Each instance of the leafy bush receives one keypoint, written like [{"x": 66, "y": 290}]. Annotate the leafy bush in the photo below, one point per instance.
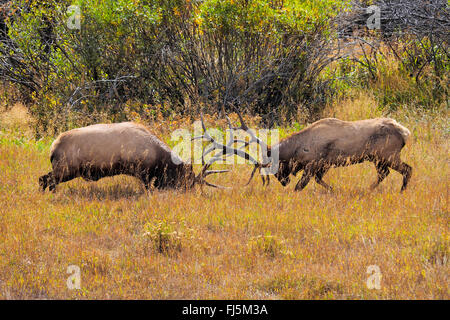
[
  {"x": 178, "y": 54},
  {"x": 275, "y": 59},
  {"x": 406, "y": 61}
]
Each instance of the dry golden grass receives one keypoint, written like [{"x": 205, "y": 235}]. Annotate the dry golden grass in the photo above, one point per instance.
[{"x": 242, "y": 243}]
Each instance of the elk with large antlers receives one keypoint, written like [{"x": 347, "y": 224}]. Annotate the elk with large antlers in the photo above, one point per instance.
[
  {"x": 331, "y": 143},
  {"x": 102, "y": 150}
]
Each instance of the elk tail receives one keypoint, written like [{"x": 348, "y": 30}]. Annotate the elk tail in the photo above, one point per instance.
[{"x": 404, "y": 132}]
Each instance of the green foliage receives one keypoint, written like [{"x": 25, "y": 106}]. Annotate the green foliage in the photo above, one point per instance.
[
  {"x": 165, "y": 52},
  {"x": 131, "y": 57},
  {"x": 394, "y": 84},
  {"x": 258, "y": 16}
]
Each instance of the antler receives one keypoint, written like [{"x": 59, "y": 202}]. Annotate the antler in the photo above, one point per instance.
[
  {"x": 226, "y": 150},
  {"x": 253, "y": 138}
]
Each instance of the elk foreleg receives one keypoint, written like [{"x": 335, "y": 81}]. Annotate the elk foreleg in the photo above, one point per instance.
[
  {"x": 59, "y": 176},
  {"x": 148, "y": 181},
  {"x": 319, "y": 175},
  {"x": 265, "y": 180},
  {"x": 301, "y": 184}
]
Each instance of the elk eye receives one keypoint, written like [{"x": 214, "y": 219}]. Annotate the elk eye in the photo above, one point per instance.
[{"x": 306, "y": 150}]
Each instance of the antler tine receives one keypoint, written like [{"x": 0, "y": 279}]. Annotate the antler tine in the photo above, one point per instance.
[
  {"x": 241, "y": 119},
  {"x": 231, "y": 138},
  {"x": 229, "y": 123},
  {"x": 253, "y": 173},
  {"x": 259, "y": 166},
  {"x": 205, "y": 134},
  {"x": 234, "y": 128},
  {"x": 244, "y": 127},
  {"x": 209, "y": 150},
  {"x": 208, "y": 172},
  {"x": 215, "y": 185},
  {"x": 225, "y": 150},
  {"x": 253, "y": 137},
  {"x": 207, "y": 137}
]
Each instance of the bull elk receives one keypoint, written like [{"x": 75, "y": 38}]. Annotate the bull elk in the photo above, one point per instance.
[
  {"x": 331, "y": 143},
  {"x": 103, "y": 150}
]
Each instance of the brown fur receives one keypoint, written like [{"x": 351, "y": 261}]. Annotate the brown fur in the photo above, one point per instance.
[
  {"x": 103, "y": 150},
  {"x": 332, "y": 143}
]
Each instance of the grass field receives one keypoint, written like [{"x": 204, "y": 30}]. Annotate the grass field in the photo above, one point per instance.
[{"x": 241, "y": 243}]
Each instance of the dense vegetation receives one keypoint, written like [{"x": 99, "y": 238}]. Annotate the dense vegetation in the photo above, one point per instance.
[{"x": 281, "y": 60}]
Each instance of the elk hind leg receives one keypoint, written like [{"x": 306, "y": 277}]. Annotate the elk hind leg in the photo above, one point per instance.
[
  {"x": 382, "y": 171},
  {"x": 405, "y": 170}
]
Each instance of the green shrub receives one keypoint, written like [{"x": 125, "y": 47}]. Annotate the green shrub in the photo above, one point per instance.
[{"x": 176, "y": 53}]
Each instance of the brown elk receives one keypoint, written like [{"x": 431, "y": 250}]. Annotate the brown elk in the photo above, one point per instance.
[
  {"x": 331, "y": 143},
  {"x": 102, "y": 150}
]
